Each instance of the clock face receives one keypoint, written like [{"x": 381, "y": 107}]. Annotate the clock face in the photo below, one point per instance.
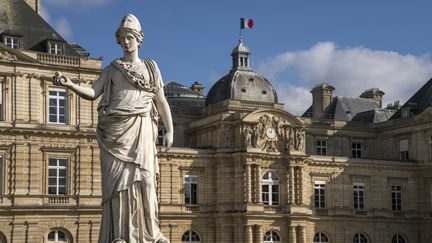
[{"x": 271, "y": 132}]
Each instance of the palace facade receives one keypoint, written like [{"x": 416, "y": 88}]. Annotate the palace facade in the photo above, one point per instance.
[{"x": 242, "y": 169}]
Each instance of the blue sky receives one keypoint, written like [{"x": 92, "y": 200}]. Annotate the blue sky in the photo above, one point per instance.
[{"x": 354, "y": 45}]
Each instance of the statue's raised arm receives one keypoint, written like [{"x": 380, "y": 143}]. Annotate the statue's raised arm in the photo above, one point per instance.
[{"x": 88, "y": 93}]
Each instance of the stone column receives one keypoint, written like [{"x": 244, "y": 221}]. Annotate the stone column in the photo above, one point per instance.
[
  {"x": 248, "y": 184},
  {"x": 300, "y": 185},
  {"x": 258, "y": 234},
  {"x": 292, "y": 234},
  {"x": 258, "y": 184},
  {"x": 248, "y": 234},
  {"x": 292, "y": 185},
  {"x": 302, "y": 234},
  {"x": 288, "y": 187}
]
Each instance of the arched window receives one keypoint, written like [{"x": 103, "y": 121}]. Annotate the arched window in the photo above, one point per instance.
[
  {"x": 270, "y": 189},
  {"x": 271, "y": 237},
  {"x": 320, "y": 237},
  {"x": 360, "y": 238},
  {"x": 57, "y": 236},
  {"x": 398, "y": 239},
  {"x": 2, "y": 238},
  {"x": 190, "y": 236}
]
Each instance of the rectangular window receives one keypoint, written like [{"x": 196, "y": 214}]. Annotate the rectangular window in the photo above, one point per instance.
[
  {"x": 321, "y": 147},
  {"x": 57, "y": 106},
  {"x": 320, "y": 194},
  {"x": 1, "y": 101},
  {"x": 161, "y": 133},
  {"x": 12, "y": 42},
  {"x": 396, "y": 195},
  {"x": 270, "y": 189},
  {"x": 55, "y": 48},
  {"x": 430, "y": 148},
  {"x": 358, "y": 196},
  {"x": 403, "y": 148},
  {"x": 1, "y": 175},
  {"x": 191, "y": 189},
  {"x": 57, "y": 176},
  {"x": 356, "y": 149}
]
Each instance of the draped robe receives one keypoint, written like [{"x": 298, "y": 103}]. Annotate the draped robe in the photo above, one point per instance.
[{"x": 126, "y": 132}]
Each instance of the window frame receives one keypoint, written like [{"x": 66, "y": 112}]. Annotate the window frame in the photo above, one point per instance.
[
  {"x": 56, "y": 233},
  {"x": 2, "y": 100},
  {"x": 160, "y": 135},
  {"x": 58, "y": 48},
  {"x": 430, "y": 147},
  {"x": 396, "y": 197},
  {"x": 356, "y": 150},
  {"x": 320, "y": 198},
  {"x": 57, "y": 106},
  {"x": 398, "y": 237},
  {"x": 57, "y": 168},
  {"x": 270, "y": 183},
  {"x": 188, "y": 182},
  {"x": 190, "y": 235},
  {"x": 321, "y": 147},
  {"x": 12, "y": 41},
  {"x": 359, "y": 196},
  {"x": 359, "y": 236},
  {"x": 404, "y": 149},
  {"x": 272, "y": 234},
  {"x": 321, "y": 237}
]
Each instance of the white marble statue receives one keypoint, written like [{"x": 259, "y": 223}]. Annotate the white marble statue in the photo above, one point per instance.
[{"x": 132, "y": 99}]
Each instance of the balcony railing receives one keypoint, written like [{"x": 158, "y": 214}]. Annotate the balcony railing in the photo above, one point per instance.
[
  {"x": 58, "y": 200},
  {"x": 59, "y": 59}
]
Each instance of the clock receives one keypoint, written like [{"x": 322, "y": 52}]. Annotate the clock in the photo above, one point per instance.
[{"x": 271, "y": 133}]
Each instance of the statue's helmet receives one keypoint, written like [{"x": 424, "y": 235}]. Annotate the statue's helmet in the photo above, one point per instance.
[{"x": 130, "y": 23}]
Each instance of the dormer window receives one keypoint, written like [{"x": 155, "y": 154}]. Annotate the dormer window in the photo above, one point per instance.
[
  {"x": 406, "y": 112},
  {"x": 11, "y": 41},
  {"x": 55, "y": 48}
]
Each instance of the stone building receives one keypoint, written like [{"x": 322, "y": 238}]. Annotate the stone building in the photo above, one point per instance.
[
  {"x": 49, "y": 166},
  {"x": 242, "y": 169}
]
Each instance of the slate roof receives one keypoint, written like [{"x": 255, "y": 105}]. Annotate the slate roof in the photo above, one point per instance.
[
  {"x": 17, "y": 18},
  {"x": 374, "y": 116},
  {"x": 181, "y": 96},
  {"x": 353, "y": 108},
  {"x": 419, "y": 102}
]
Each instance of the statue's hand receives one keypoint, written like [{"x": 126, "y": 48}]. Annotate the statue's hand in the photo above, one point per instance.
[
  {"x": 61, "y": 80},
  {"x": 168, "y": 140}
]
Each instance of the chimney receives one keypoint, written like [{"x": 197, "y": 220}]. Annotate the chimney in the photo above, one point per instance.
[
  {"x": 197, "y": 87},
  {"x": 374, "y": 94},
  {"x": 322, "y": 95},
  {"x": 34, "y": 4}
]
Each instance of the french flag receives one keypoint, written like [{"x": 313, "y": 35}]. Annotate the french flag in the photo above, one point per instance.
[{"x": 246, "y": 23}]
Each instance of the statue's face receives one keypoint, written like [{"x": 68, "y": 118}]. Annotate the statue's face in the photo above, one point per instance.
[{"x": 128, "y": 41}]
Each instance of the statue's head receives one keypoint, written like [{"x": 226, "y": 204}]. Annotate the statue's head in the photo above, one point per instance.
[{"x": 130, "y": 24}]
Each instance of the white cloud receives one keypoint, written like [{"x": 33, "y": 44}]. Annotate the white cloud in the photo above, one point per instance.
[
  {"x": 64, "y": 28},
  {"x": 349, "y": 70}
]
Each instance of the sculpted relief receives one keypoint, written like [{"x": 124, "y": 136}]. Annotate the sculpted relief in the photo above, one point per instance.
[{"x": 272, "y": 133}]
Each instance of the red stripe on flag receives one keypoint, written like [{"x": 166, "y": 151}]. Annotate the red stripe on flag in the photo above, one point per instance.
[{"x": 250, "y": 23}]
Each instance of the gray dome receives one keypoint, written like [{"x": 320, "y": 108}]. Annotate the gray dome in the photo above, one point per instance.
[{"x": 242, "y": 85}]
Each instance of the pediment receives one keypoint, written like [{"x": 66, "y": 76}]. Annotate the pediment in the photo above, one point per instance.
[
  {"x": 10, "y": 54},
  {"x": 281, "y": 116},
  {"x": 271, "y": 130},
  {"x": 425, "y": 116}
]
